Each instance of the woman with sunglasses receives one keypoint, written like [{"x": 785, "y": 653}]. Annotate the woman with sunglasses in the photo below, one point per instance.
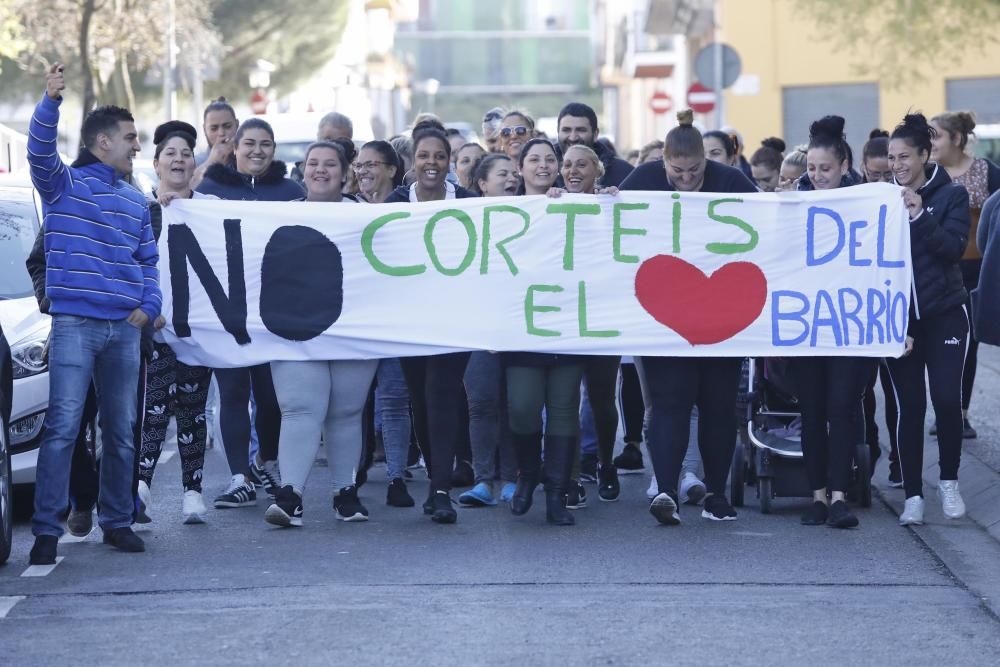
[
  {"x": 516, "y": 129},
  {"x": 435, "y": 381}
]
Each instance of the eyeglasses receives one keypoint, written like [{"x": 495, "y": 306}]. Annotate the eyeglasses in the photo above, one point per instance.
[
  {"x": 361, "y": 166},
  {"x": 519, "y": 130}
]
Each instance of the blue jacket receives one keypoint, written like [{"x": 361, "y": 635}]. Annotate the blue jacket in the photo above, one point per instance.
[
  {"x": 225, "y": 182},
  {"x": 99, "y": 247}
]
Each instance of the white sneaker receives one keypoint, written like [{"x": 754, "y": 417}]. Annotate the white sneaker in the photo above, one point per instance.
[
  {"x": 913, "y": 512},
  {"x": 951, "y": 500},
  {"x": 653, "y": 489},
  {"x": 692, "y": 490},
  {"x": 145, "y": 503},
  {"x": 193, "y": 507}
]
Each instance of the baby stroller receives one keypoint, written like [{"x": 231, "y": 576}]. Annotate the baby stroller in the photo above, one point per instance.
[{"x": 768, "y": 453}]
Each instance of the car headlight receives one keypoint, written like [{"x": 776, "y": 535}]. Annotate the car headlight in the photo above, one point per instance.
[{"x": 28, "y": 355}]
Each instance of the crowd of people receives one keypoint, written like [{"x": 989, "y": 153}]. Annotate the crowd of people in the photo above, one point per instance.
[{"x": 497, "y": 425}]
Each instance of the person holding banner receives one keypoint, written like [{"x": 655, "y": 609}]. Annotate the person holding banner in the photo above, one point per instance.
[
  {"x": 435, "y": 381},
  {"x": 678, "y": 384},
  {"x": 538, "y": 164},
  {"x": 320, "y": 398},
  {"x": 938, "y": 334},
  {"x": 581, "y": 172},
  {"x": 829, "y": 389},
  {"x": 256, "y": 176},
  {"x": 172, "y": 388},
  {"x": 493, "y": 175}
]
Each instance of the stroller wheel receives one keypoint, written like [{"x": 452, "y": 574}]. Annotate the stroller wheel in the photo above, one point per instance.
[
  {"x": 737, "y": 475},
  {"x": 765, "y": 493},
  {"x": 863, "y": 474}
]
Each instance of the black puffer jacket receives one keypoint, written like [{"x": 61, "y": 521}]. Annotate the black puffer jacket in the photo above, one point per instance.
[
  {"x": 225, "y": 182},
  {"x": 938, "y": 237}
]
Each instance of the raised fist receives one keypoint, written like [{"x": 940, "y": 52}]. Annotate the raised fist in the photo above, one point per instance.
[{"x": 54, "y": 81}]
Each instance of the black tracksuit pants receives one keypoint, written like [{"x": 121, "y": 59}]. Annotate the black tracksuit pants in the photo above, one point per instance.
[
  {"x": 830, "y": 390},
  {"x": 675, "y": 385},
  {"x": 940, "y": 343}
]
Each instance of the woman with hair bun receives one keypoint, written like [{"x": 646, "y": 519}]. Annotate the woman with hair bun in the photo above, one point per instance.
[
  {"x": 675, "y": 385},
  {"x": 720, "y": 147},
  {"x": 937, "y": 337},
  {"x": 765, "y": 163},
  {"x": 981, "y": 178},
  {"x": 875, "y": 158},
  {"x": 830, "y": 389}
]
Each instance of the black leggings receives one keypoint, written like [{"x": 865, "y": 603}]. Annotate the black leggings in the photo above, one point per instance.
[
  {"x": 633, "y": 410},
  {"x": 675, "y": 385},
  {"x": 830, "y": 390},
  {"x": 880, "y": 375},
  {"x": 601, "y": 375},
  {"x": 939, "y": 346},
  {"x": 235, "y": 385},
  {"x": 970, "y": 276},
  {"x": 437, "y": 392}
]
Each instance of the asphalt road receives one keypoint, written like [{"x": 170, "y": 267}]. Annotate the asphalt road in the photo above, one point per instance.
[{"x": 496, "y": 589}]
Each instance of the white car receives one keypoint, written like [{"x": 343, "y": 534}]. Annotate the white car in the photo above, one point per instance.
[{"x": 25, "y": 328}]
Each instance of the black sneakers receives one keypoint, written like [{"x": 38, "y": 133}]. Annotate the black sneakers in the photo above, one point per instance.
[
  {"x": 44, "y": 551},
  {"x": 968, "y": 432},
  {"x": 463, "y": 475},
  {"x": 80, "y": 522},
  {"x": 895, "y": 475},
  {"x": 347, "y": 506},
  {"x": 576, "y": 499},
  {"x": 717, "y": 508},
  {"x": 441, "y": 509},
  {"x": 124, "y": 539},
  {"x": 630, "y": 460},
  {"x": 265, "y": 475},
  {"x": 608, "y": 488},
  {"x": 816, "y": 515},
  {"x": 398, "y": 495},
  {"x": 840, "y": 516},
  {"x": 286, "y": 510}
]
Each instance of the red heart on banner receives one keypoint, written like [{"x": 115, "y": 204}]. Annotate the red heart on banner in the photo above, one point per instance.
[{"x": 702, "y": 309}]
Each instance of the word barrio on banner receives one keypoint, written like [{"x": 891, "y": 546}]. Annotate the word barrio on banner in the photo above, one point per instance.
[{"x": 641, "y": 273}]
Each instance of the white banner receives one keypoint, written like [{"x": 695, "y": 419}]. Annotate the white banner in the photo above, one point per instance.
[{"x": 642, "y": 273}]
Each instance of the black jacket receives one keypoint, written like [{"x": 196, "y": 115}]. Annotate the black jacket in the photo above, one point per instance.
[
  {"x": 652, "y": 176},
  {"x": 616, "y": 169},
  {"x": 225, "y": 182},
  {"x": 402, "y": 194},
  {"x": 938, "y": 236},
  {"x": 846, "y": 181}
]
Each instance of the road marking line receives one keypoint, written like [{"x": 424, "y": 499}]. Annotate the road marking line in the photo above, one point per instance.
[
  {"x": 166, "y": 456},
  {"x": 7, "y": 603},
  {"x": 746, "y": 533},
  {"x": 41, "y": 570}
]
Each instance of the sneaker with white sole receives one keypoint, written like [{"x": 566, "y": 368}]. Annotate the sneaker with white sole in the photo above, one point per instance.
[
  {"x": 286, "y": 510},
  {"x": 717, "y": 508},
  {"x": 654, "y": 488},
  {"x": 692, "y": 490},
  {"x": 664, "y": 509},
  {"x": 193, "y": 507},
  {"x": 145, "y": 503},
  {"x": 239, "y": 494},
  {"x": 348, "y": 507},
  {"x": 951, "y": 500},
  {"x": 913, "y": 512}
]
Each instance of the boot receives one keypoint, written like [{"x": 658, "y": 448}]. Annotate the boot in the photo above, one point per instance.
[
  {"x": 528, "y": 449},
  {"x": 559, "y": 452}
]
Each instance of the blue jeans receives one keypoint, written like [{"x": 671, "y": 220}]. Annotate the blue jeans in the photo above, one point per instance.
[
  {"x": 488, "y": 429},
  {"x": 392, "y": 412},
  {"x": 81, "y": 348}
]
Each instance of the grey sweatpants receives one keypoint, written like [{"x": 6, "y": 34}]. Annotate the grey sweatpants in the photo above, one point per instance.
[{"x": 321, "y": 398}]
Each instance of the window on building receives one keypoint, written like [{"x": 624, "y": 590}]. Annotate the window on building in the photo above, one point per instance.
[
  {"x": 978, "y": 95},
  {"x": 858, "y": 103}
]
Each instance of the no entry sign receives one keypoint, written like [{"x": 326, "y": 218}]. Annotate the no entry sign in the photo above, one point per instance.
[
  {"x": 661, "y": 102},
  {"x": 700, "y": 98}
]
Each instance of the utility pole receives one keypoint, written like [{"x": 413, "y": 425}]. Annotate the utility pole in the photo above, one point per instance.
[{"x": 170, "y": 62}]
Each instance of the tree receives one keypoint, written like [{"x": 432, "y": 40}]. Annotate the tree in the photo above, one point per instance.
[
  {"x": 887, "y": 39},
  {"x": 298, "y": 36}
]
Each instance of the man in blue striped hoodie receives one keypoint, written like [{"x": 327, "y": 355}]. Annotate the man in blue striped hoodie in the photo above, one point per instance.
[{"x": 103, "y": 285}]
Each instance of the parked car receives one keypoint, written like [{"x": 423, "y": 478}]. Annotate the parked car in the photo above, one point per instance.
[
  {"x": 25, "y": 328},
  {"x": 6, "y": 485}
]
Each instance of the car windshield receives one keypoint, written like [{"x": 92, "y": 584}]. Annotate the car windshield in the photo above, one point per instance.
[{"x": 18, "y": 226}]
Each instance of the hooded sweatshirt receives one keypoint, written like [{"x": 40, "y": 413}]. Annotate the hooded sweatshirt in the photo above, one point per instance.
[
  {"x": 99, "y": 247},
  {"x": 225, "y": 182}
]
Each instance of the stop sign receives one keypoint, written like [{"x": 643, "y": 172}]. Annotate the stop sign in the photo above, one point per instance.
[
  {"x": 660, "y": 102},
  {"x": 700, "y": 98},
  {"x": 258, "y": 102}
]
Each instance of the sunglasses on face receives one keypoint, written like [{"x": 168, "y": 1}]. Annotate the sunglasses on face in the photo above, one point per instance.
[{"x": 519, "y": 130}]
